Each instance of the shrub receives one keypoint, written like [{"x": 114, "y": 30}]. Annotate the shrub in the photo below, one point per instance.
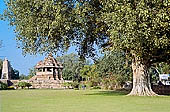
[
  {"x": 75, "y": 85},
  {"x": 28, "y": 85},
  {"x": 24, "y": 84},
  {"x": 67, "y": 85},
  {"x": 3, "y": 86}
]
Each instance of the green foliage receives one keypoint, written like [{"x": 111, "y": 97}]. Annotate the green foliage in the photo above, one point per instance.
[
  {"x": 75, "y": 85},
  {"x": 28, "y": 85},
  {"x": 15, "y": 74},
  {"x": 50, "y": 26},
  {"x": 139, "y": 27},
  {"x": 23, "y": 77},
  {"x": 23, "y": 84},
  {"x": 163, "y": 68},
  {"x": 88, "y": 72},
  {"x": 114, "y": 69},
  {"x": 158, "y": 68},
  {"x": 3, "y": 86},
  {"x": 111, "y": 70},
  {"x": 72, "y": 65},
  {"x": 67, "y": 85},
  {"x": 32, "y": 72}
]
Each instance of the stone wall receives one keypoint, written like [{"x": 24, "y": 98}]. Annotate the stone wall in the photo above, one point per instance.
[{"x": 161, "y": 89}]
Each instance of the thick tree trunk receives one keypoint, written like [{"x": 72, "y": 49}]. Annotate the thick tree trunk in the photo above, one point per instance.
[{"x": 141, "y": 79}]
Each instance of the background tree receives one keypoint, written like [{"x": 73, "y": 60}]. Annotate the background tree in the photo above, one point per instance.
[
  {"x": 163, "y": 68},
  {"x": 32, "y": 72},
  {"x": 15, "y": 74},
  {"x": 23, "y": 77},
  {"x": 90, "y": 74},
  {"x": 72, "y": 65},
  {"x": 86, "y": 73},
  {"x": 114, "y": 69}
]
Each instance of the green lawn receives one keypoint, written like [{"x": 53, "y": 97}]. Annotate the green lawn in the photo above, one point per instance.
[{"x": 79, "y": 101}]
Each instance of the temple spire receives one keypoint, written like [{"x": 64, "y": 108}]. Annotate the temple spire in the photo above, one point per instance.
[{"x": 6, "y": 70}]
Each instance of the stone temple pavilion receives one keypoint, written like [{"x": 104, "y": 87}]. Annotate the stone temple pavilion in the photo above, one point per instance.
[{"x": 48, "y": 74}]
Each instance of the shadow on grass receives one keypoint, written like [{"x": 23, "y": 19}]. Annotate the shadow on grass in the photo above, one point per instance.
[{"x": 111, "y": 93}]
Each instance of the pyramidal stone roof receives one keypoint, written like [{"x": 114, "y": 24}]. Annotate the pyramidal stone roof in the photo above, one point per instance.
[{"x": 49, "y": 61}]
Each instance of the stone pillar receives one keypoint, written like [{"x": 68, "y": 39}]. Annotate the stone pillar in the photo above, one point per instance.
[
  {"x": 60, "y": 74},
  {"x": 56, "y": 74},
  {"x": 45, "y": 69}
]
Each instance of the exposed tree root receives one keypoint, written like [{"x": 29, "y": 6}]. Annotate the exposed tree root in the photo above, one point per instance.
[{"x": 137, "y": 91}]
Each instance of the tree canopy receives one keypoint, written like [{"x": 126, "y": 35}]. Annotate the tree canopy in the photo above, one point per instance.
[
  {"x": 139, "y": 27},
  {"x": 49, "y": 26}
]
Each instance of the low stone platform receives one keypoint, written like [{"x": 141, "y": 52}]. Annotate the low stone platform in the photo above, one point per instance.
[{"x": 50, "y": 84}]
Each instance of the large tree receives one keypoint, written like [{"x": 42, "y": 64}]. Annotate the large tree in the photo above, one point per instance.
[
  {"x": 142, "y": 29},
  {"x": 138, "y": 27}
]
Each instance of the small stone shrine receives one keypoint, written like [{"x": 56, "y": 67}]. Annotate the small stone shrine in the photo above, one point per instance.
[{"x": 48, "y": 74}]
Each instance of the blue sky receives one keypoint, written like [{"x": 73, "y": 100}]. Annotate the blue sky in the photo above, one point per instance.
[{"x": 11, "y": 52}]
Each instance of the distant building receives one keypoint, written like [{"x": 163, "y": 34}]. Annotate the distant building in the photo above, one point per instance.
[
  {"x": 165, "y": 79},
  {"x": 6, "y": 70}
]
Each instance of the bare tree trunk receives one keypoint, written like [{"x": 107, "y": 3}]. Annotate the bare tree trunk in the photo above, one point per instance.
[{"x": 141, "y": 79}]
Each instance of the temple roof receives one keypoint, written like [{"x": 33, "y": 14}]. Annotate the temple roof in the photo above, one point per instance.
[{"x": 49, "y": 61}]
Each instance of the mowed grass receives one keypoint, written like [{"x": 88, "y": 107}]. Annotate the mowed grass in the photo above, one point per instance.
[{"x": 79, "y": 101}]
